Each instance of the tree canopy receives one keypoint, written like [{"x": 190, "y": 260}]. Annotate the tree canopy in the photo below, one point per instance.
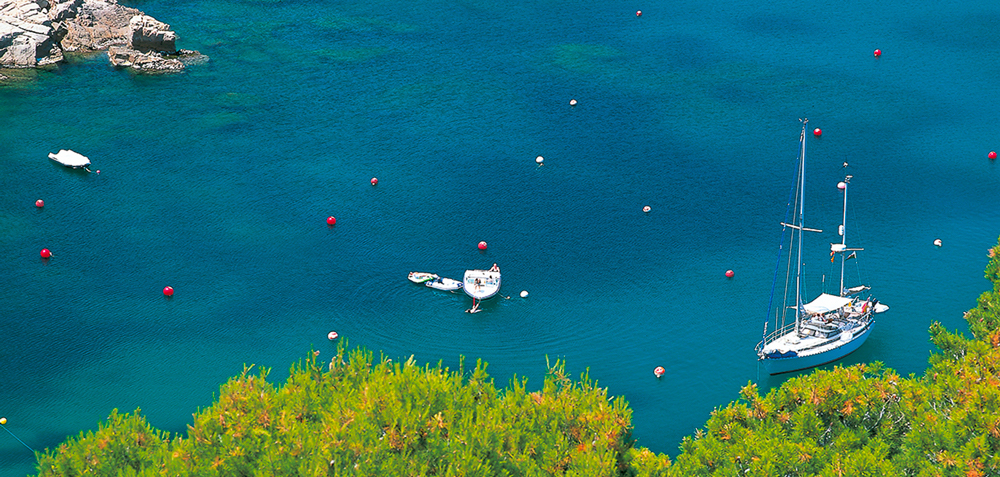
[{"x": 358, "y": 415}]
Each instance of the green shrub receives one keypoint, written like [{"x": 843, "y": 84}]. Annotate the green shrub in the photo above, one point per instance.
[{"x": 359, "y": 416}]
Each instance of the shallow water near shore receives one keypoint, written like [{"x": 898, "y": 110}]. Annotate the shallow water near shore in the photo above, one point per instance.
[{"x": 218, "y": 181}]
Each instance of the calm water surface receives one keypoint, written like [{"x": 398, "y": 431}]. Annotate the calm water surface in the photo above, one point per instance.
[{"x": 217, "y": 182}]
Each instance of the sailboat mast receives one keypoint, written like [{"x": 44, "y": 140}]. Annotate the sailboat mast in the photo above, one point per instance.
[
  {"x": 802, "y": 209},
  {"x": 843, "y": 236}
]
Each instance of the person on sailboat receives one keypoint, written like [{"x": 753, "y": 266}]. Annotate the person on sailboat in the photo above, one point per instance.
[{"x": 494, "y": 268}]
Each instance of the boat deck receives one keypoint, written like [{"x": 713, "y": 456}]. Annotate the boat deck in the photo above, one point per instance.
[{"x": 481, "y": 284}]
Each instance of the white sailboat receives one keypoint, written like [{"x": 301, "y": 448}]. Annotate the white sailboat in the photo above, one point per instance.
[{"x": 829, "y": 327}]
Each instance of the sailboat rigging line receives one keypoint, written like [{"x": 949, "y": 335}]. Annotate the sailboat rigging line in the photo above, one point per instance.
[
  {"x": 781, "y": 242},
  {"x": 857, "y": 233},
  {"x": 791, "y": 249}
]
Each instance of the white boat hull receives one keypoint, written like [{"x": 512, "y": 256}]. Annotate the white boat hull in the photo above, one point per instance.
[
  {"x": 421, "y": 277},
  {"x": 806, "y": 361},
  {"x": 481, "y": 284},
  {"x": 444, "y": 284},
  {"x": 70, "y": 158}
]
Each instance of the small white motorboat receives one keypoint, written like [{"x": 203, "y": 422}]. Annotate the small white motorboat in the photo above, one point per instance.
[
  {"x": 445, "y": 284},
  {"x": 482, "y": 284},
  {"x": 70, "y": 158},
  {"x": 421, "y": 277}
]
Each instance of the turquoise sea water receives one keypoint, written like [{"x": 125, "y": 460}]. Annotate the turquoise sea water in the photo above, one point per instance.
[{"x": 218, "y": 181}]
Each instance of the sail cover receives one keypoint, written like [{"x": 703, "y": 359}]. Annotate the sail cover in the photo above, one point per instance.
[{"x": 825, "y": 303}]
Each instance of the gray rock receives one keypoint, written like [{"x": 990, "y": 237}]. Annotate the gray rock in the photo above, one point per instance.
[
  {"x": 151, "y": 35},
  {"x": 97, "y": 25},
  {"x": 20, "y": 53},
  {"x": 65, "y": 10},
  {"x": 25, "y": 34}
]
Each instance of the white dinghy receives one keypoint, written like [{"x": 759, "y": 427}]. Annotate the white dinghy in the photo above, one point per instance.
[
  {"x": 421, "y": 277},
  {"x": 444, "y": 284},
  {"x": 70, "y": 158}
]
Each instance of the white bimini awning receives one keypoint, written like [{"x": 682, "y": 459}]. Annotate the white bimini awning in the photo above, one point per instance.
[{"x": 825, "y": 303}]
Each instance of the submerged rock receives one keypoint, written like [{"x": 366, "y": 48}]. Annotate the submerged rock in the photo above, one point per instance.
[{"x": 37, "y": 32}]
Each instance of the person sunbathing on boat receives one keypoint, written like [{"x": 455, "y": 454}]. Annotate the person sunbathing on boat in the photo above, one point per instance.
[{"x": 494, "y": 268}]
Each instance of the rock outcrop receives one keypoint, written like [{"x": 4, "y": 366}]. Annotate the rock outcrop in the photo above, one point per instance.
[
  {"x": 37, "y": 32},
  {"x": 27, "y": 36}
]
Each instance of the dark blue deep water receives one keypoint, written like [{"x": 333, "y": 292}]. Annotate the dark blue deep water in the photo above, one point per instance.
[{"x": 217, "y": 182}]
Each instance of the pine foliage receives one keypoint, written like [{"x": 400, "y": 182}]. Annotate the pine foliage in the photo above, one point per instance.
[{"x": 360, "y": 416}]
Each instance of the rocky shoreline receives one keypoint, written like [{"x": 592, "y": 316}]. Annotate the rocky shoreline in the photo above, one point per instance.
[{"x": 36, "y": 33}]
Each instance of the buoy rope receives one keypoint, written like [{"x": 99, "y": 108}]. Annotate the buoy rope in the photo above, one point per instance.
[
  {"x": 18, "y": 438},
  {"x": 789, "y": 204}
]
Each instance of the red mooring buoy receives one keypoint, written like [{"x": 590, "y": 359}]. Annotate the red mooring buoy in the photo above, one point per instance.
[
  {"x": 730, "y": 273},
  {"x": 332, "y": 335},
  {"x": 878, "y": 53},
  {"x": 482, "y": 245},
  {"x": 991, "y": 155},
  {"x": 374, "y": 180},
  {"x": 638, "y": 13},
  {"x": 39, "y": 203},
  {"x": 659, "y": 371},
  {"x": 817, "y": 132},
  {"x": 45, "y": 253},
  {"x": 331, "y": 220},
  {"x": 168, "y": 291}
]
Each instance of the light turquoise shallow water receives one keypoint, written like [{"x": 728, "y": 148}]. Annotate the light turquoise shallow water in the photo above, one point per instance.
[{"x": 218, "y": 181}]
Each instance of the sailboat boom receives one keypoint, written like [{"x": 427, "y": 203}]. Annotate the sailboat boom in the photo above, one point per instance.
[{"x": 796, "y": 227}]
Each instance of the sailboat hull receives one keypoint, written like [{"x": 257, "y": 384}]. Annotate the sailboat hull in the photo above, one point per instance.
[{"x": 780, "y": 365}]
